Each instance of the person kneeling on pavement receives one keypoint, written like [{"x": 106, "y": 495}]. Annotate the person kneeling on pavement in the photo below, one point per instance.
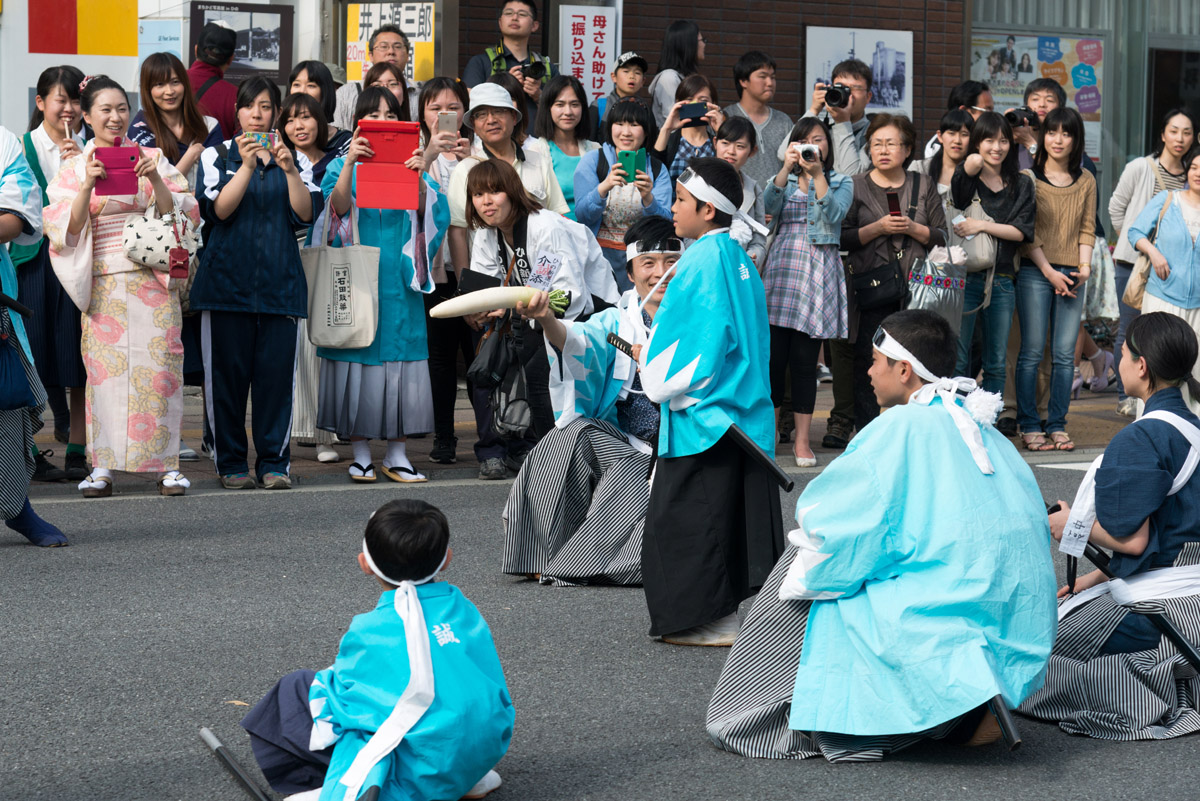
[{"x": 918, "y": 586}]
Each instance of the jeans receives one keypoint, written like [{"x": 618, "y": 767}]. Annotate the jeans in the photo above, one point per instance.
[
  {"x": 995, "y": 322},
  {"x": 1123, "y": 270},
  {"x": 1042, "y": 312}
]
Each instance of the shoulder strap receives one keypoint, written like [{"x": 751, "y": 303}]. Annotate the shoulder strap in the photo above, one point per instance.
[
  {"x": 915, "y": 196},
  {"x": 1154, "y": 168},
  {"x": 204, "y": 87},
  {"x": 1162, "y": 213},
  {"x": 1192, "y": 434},
  {"x": 601, "y": 164},
  {"x": 34, "y": 164}
]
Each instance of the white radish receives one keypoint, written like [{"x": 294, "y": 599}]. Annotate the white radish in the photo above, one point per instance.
[{"x": 485, "y": 300}]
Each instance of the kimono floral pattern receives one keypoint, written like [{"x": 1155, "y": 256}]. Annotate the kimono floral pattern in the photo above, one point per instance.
[{"x": 131, "y": 344}]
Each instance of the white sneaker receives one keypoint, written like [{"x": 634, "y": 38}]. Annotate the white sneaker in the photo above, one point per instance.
[
  {"x": 489, "y": 782},
  {"x": 327, "y": 455},
  {"x": 721, "y": 632},
  {"x": 1127, "y": 407}
]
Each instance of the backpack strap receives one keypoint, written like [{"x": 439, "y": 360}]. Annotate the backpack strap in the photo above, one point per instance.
[
  {"x": 1192, "y": 434},
  {"x": 601, "y": 164},
  {"x": 204, "y": 87},
  {"x": 32, "y": 157}
]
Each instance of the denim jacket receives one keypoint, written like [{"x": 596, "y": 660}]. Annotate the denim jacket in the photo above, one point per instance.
[
  {"x": 1174, "y": 241},
  {"x": 824, "y": 214}
]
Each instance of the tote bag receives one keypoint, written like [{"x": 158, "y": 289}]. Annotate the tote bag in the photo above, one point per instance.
[
  {"x": 343, "y": 290},
  {"x": 938, "y": 284},
  {"x": 980, "y": 249},
  {"x": 1135, "y": 289}
]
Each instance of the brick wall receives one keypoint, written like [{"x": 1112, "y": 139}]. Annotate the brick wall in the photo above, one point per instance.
[{"x": 732, "y": 27}]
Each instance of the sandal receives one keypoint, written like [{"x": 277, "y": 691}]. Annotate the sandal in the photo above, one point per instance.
[
  {"x": 399, "y": 472},
  {"x": 104, "y": 491},
  {"x": 178, "y": 485},
  {"x": 1062, "y": 441},
  {"x": 1036, "y": 441},
  {"x": 366, "y": 475}
]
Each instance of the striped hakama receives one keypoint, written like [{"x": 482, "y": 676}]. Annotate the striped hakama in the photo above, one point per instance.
[
  {"x": 748, "y": 713},
  {"x": 304, "y": 393},
  {"x": 1144, "y": 695},
  {"x": 17, "y": 428},
  {"x": 577, "y": 510}
]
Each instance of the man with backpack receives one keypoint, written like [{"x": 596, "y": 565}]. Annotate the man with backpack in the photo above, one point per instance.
[{"x": 216, "y": 96}]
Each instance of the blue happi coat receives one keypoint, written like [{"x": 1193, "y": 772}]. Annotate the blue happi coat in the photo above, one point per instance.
[
  {"x": 709, "y": 350},
  {"x": 932, "y": 582},
  {"x": 400, "y": 333},
  {"x": 20, "y": 195},
  {"x": 462, "y": 735},
  {"x": 590, "y": 375}
]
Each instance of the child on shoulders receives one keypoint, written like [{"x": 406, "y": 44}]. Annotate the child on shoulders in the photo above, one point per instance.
[{"x": 377, "y": 716}]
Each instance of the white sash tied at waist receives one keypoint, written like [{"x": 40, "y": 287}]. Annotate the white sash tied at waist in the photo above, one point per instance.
[{"x": 1182, "y": 581}]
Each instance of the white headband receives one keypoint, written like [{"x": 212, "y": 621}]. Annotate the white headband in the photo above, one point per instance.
[
  {"x": 979, "y": 407},
  {"x": 635, "y": 249},
  {"x": 375, "y": 568},
  {"x": 701, "y": 190}
]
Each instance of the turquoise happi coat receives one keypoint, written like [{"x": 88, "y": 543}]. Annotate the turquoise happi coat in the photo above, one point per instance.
[
  {"x": 459, "y": 738},
  {"x": 19, "y": 194},
  {"x": 709, "y": 350},
  {"x": 932, "y": 582},
  {"x": 400, "y": 336}
]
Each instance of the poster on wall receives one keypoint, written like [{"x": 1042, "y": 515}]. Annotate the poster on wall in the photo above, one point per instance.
[
  {"x": 887, "y": 53},
  {"x": 160, "y": 36},
  {"x": 415, "y": 19},
  {"x": 588, "y": 46},
  {"x": 84, "y": 27},
  {"x": 264, "y": 37},
  {"x": 1007, "y": 62}
]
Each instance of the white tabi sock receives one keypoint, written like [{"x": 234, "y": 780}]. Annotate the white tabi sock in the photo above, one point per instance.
[
  {"x": 173, "y": 478},
  {"x": 93, "y": 481},
  {"x": 362, "y": 451},
  {"x": 397, "y": 455}
]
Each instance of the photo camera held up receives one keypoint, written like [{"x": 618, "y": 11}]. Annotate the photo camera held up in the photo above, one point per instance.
[
  {"x": 1024, "y": 115},
  {"x": 837, "y": 96},
  {"x": 809, "y": 153}
]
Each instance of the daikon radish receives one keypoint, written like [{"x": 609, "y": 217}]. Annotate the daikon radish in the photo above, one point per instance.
[{"x": 499, "y": 297}]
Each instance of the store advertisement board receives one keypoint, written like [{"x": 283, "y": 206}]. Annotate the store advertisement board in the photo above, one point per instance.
[{"x": 415, "y": 19}]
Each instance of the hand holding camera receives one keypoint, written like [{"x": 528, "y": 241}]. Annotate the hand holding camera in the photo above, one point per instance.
[
  {"x": 1024, "y": 122},
  {"x": 834, "y": 98}
]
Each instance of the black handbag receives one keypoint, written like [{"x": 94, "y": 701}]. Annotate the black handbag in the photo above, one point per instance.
[
  {"x": 497, "y": 351},
  {"x": 886, "y": 285},
  {"x": 15, "y": 390}
]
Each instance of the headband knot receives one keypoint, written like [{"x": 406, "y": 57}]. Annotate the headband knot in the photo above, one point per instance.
[{"x": 703, "y": 191}]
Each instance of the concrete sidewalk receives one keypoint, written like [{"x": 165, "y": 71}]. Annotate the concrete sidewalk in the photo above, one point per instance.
[{"x": 1092, "y": 422}]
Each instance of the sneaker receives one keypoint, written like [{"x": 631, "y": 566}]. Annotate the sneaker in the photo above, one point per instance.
[
  {"x": 76, "y": 466},
  {"x": 1127, "y": 407},
  {"x": 837, "y": 434},
  {"x": 206, "y": 450},
  {"x": 444, "y": 450},
  {"x": 327, "y": 455},
  {"x": 62, "y": 435},
  {"x": 44, "y": 471},
  {"x": 187, "y": 454},
  {"x": 513, "y": 461},
  {"x": 489, "y": 782},
  {"x": 276, "y": 481},
  {"x": 824, "y": 376},
  {"x": 492, "y": 469},
  {"x": 238, "y": 481}
]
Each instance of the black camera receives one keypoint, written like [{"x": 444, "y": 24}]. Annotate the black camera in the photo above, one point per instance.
[
  {"x": 837, "y": 96},
  {"x": 536, "y": 70},
  {"x": 1022, "y": 116}
]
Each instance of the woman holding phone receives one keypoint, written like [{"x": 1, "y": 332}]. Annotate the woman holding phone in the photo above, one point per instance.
[
  {"x": 443, "y": 106},
  {"x": 680, "y": 140},
  {"x": 1050, "y": 281},
  {"x": 560, "y": 132},
  {"x": 382, "y": 391},
  {"x": 250, "y": 288},
  {"x": 131, "y": 314},
  {"x": 54, "y": 329},
  {"x": 896, "y": 217},
  {"x": 609, "y": 197}
]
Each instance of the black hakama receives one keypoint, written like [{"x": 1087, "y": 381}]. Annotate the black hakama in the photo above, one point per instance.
[{"x": 714, "y": 530}]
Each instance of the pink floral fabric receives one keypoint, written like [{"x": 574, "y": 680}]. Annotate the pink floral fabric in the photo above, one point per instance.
[{"x": 131, "y": 344}]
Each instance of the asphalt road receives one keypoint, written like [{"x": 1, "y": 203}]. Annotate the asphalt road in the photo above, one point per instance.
[{"x": 166, "y": 615}]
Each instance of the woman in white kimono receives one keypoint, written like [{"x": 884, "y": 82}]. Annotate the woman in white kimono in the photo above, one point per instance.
[
  {"x": 577, "y": 511},
  {"x": 131, "y": 317}
]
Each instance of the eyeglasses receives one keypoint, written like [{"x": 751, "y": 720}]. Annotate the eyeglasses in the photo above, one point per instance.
[
  {"x": 486, "y": 112},
  {"x": 886, "y": 146},
  {"x": 390, "y": 47},
  {"x": 514, "y": 14}
]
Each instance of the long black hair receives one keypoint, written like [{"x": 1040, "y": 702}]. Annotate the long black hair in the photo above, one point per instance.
[
  {"x": 680, "y": 47},
  {"x": 543, "y": 125},
  {"x": 1067, "y": 120},
  {"x": 956, "y": 119},
  {"x": 1162, "y": 128},
  {"x": 64, "y": 77},
  {"x": 991, "y": 125},
  {"x": 319, "y": 74},
  {"x": 1168, "y": 344}
]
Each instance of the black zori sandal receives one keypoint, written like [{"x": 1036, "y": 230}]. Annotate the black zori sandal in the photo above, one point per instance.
[{"x": 367, "y": 473}]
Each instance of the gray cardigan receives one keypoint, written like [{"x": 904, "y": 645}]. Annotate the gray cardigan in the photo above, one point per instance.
[{"x": 1139, "y": 182}]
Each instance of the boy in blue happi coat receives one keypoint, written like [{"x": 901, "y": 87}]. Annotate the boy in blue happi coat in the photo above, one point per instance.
[{"x": 415, "y": 702}]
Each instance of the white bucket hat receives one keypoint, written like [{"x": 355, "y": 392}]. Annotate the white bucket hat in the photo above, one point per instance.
[{"x": 490, "y": 95}]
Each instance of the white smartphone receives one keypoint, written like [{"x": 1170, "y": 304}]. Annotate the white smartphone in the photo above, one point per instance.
[
  {"x": 447, "y": 121},
  {"x": 960, "y": 218}
]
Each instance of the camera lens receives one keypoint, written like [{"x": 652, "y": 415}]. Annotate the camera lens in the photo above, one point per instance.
[
  {"x": 837, "y": 96},
  {"x": 536, "y": 70}
]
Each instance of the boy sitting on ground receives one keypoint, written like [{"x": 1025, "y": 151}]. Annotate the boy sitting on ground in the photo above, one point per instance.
[{"x": 375, "y": 717}]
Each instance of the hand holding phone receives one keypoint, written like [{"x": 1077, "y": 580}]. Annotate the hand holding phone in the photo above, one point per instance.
[
  {"x": 893, "y": 199},
  {"x": 119, "y": 175},
  {"x": 691, "y": 115},
  {"x": 632, "y": 161},
  {"x": 447, "y": 121},
  {"x": 266, "y": 139}
]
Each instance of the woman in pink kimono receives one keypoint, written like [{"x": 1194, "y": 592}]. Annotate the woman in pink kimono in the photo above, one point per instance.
[{"x": 131, "y": 317}]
